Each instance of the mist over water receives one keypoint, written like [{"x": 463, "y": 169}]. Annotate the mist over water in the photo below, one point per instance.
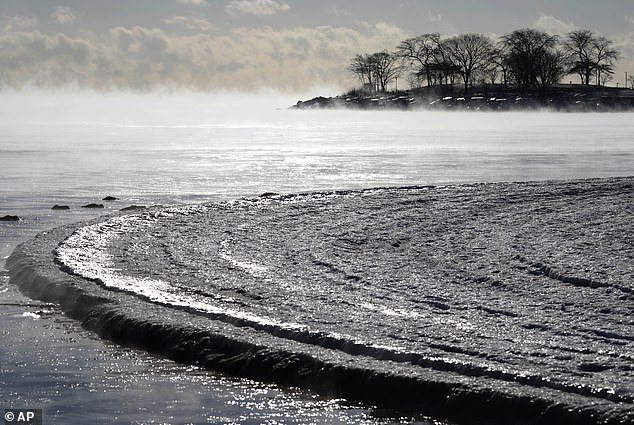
[
  {"x": 185, "y": 147},
  {"x": 76, "y": 148}
]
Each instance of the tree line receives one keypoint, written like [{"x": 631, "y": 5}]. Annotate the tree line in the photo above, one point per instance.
[{"x": 525, "y": 58}]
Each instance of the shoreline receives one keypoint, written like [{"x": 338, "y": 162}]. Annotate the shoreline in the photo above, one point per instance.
[
  {"x": 337, "y": 368},
  {"x": 559, "y": 98}
]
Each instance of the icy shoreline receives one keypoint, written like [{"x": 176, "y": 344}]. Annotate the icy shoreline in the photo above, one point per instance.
[{"x": 492, "y": 302}]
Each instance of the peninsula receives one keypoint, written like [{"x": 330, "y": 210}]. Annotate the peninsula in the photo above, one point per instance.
[
  {"x": 561, "y": 97},
  {"x": 523, "y": 69}
]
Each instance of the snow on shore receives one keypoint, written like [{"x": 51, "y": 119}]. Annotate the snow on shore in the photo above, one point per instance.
[{"x": 503, "y": 302}]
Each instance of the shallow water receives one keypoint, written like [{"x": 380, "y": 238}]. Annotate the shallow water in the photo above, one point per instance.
[{"x": 71, "y": 149}]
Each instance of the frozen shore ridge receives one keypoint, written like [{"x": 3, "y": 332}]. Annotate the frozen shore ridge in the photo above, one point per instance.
[{"x": 507, "y": 303}]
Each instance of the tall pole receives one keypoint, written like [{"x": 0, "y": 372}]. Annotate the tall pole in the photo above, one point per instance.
[{"x": 626, "y": 79}]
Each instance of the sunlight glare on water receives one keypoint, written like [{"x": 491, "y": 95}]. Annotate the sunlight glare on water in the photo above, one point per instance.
[{"x": 218, "y": 146}]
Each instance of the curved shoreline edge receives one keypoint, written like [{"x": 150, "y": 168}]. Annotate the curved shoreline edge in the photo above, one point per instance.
[{"x": 246, "y": 353}]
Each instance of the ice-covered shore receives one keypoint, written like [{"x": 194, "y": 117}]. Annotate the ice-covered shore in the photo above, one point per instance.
[{"x": 504, "y": 303}]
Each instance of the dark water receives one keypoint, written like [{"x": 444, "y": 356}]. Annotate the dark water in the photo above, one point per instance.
[
  {"x": 48, "y": 362},
  {"x": 76, "y": 149}
]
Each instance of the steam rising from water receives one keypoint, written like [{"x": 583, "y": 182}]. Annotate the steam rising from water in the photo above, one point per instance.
[{"x": 193, "y": 147}]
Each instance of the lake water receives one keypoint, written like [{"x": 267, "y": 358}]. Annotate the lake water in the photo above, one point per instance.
[{"x": 74, "y": 149}]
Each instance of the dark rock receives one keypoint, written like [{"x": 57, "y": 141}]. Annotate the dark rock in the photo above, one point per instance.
[
  {"x": 268, "y": 194},
  {"x": 93, "y": 206},
  {"x": 318, "y": 102},
  {"x": 60, "y": 207},
  {"x": 438, "y": 305},
  {"x": 594, "y": 367},
  {"x": 133, "y": 208},
  {"x": 10, "y": 218},
  {"x": 110, "y": 198}
]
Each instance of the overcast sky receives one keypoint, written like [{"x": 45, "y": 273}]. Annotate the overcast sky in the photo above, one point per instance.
[{"x": 291, "y": 45}]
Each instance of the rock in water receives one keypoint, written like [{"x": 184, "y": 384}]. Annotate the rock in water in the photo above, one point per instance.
[
  {"x": 110, "y": 198},
  {"x": 60, "y": 207},
  {"x": 10, "y": 218},
  {"x": 93, "y": 206},
  {"x": 133, "y": 208}
]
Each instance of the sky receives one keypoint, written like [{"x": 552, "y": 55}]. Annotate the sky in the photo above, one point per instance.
[{"x": 255, "y": 45}]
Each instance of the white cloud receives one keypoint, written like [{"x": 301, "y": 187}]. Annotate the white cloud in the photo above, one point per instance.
[
  {"x": 191, "y": 23},
  {"x": 431, "y": 17},
  {"x": 193, "y": 2},
  {"x": 436, "y": 22},
  {"x": 64, "y": 15},
  {"x": 338, "y": 11},
  {"x": 554, "y": 25},
  {"x": 256, "y": 7},
  {"x": 14, "y": 23},
  {"x": 139, "y": 58}
]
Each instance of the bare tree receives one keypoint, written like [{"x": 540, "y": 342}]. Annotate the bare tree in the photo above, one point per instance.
[
  {"x": 386, "y": 68},
  {"x": 532, "y": 57},
  {"x": 550, "y": 68},
  {"x": 590, "y": 55},
  {"x": 420, "y": 50},
  {"x": 605, "y": 57},
  {"x": 444, "y": 69},
  {"x": 361, "y": 66},
  {"x": 499, "y": 60},
  {"x": 376, "y": 70},
  {"x": 489, "y": 73},
  {"x": 579, "y": 47},
  {"x": 430, "y": 53},
  {"x": 413, "y": 80},
  {"x": 606, "y": 78},
  {"x": 471, "y": 53}
]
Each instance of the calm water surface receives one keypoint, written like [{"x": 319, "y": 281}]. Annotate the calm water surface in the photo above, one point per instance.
[{"x": 74, "y": 149}]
